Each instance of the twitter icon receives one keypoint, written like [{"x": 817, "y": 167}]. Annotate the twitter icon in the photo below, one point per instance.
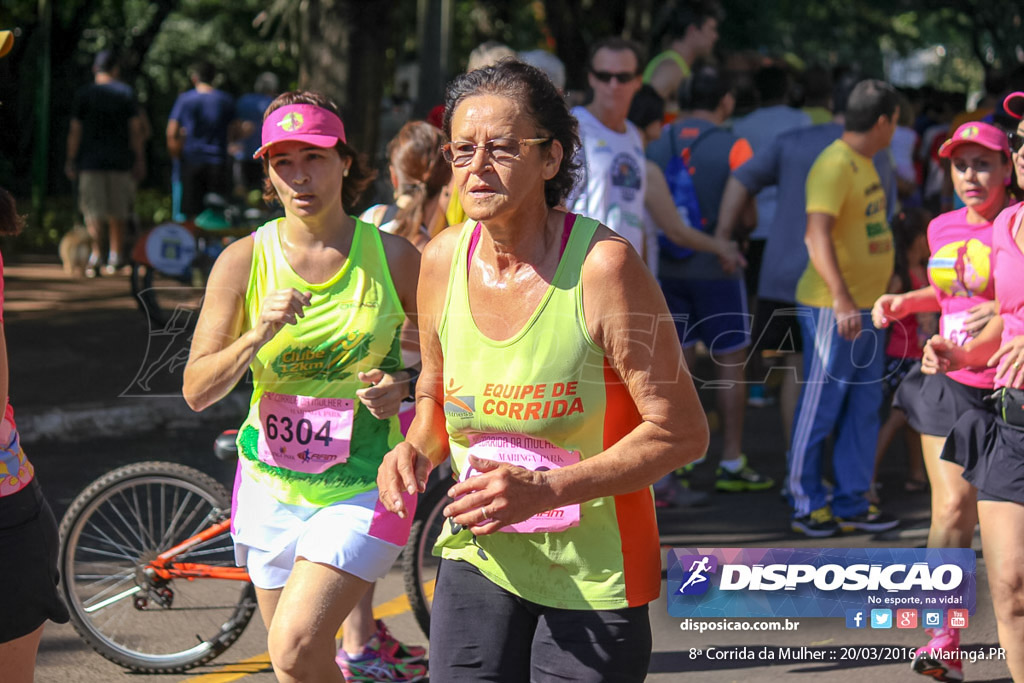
[{"x": 881, "y": 618}]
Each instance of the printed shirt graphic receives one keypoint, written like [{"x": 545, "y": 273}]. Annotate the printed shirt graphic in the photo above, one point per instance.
[
  {"x": 960, "y": 272},
  {"x": 614, "y": 178},
  {"x": 549, "y": 381},
  {"x": 1009, "y": 263},
  {"x": 845, "y": 185},
  {"x": 351, "y": 326}
]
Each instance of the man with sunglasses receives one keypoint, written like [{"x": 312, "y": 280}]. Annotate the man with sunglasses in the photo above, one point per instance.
[{"x": 613, "y": 178}]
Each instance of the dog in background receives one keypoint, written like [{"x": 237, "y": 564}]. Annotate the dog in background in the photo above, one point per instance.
[{"x": 74, "y": 248}]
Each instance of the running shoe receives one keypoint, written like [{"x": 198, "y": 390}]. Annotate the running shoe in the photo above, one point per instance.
[
  {"x": 377, "y": 666},
  {"x": 936, "y": 659},
  {"x": 410, "y": 654},
  {"x": 92, "y": 267},
  {"x": 819, "y": 524},
  {"x": 746, "y": 479},
  {"x": 670, "y": 492},
  {"x": 872, "y": 519}
]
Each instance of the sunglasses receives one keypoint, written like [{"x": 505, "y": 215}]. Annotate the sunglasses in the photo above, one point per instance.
[
  {"x": 606, "y": 76},
  {"x": 1016, "y": 141}
]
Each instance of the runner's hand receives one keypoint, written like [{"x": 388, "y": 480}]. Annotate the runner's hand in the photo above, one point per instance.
[
  {"x": 730, "y": 257},
  {"x": 847, "y": 318},
  {"x": 281, "y": 307},
  {"x": 384, "y": 396},
  {"x": 500, "y": 495},
  {"x": 403, "y": 470},
  {"x": 887, "y": 309},
  {"x": 1010, "y": 359},
  {"x": 941, "y": 356},
  {"x": 979, "y": 317}
]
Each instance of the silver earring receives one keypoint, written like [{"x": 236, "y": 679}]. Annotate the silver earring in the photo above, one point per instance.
[{"x": 345, "y": 173}]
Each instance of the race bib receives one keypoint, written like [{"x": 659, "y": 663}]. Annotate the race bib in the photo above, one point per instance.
[
  {"x": 953, "y": 327},
  {"x": 304, "y": 434},
  {"x": 534, "y": 454}
]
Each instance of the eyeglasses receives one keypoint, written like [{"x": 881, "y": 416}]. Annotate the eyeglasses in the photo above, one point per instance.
[
  {"x": 1016, "y": 141},
  {"x": 501, "y": 150},
  {"x": 607, "y": 76}
]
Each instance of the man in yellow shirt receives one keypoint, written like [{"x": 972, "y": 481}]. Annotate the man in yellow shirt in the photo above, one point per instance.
[{"x": 851, "y": 261}]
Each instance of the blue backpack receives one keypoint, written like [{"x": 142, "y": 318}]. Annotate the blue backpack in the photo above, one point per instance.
[{"x": 679, "y": 175}]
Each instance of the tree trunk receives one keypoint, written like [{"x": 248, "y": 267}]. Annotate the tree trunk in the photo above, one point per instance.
[{"x": 342, "y": 55}]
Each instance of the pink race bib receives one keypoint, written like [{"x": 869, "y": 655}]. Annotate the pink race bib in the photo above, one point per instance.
[
  {"x": 304, "y": 434},
  {"x": 953, "y": 327},
  {"x": 534, "y": 454}
]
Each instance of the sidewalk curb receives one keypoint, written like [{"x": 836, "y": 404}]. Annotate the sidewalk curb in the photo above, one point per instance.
[{"x": 125, "y": 418}]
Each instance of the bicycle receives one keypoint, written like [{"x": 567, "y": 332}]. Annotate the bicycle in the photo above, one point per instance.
[{"x": 148, "y": 564}]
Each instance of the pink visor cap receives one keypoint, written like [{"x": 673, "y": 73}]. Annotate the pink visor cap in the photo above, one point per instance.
[
  {"x": 978, "y": 133},
  {"x": 303, "y": 122}
]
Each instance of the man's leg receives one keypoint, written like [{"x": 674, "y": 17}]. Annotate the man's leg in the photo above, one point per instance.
[
  {"x": 818, "y": 409},
  {"x": 860, "y": 368}
]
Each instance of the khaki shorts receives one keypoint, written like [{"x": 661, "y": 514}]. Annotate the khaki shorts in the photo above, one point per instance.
[{"x": 106, "y": 194}]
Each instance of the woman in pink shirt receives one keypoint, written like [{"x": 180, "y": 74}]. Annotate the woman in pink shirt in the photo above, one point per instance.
[
  {"x": 962, "y": 289},
  {"x": 987, "y": 445}
]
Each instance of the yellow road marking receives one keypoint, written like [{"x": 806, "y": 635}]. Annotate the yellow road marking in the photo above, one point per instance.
[{"x": 261, "y": 662}]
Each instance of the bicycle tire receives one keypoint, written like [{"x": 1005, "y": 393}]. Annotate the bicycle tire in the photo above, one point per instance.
[
  {"x": 418, "y": 563},
  {"x": 111, "y": 530}
]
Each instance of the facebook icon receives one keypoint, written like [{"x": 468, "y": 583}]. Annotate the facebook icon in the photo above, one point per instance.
[{"x": 855, "y": 618}]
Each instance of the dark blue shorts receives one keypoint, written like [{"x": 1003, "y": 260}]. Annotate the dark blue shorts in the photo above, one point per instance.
[{"x": 712, "y": 311}]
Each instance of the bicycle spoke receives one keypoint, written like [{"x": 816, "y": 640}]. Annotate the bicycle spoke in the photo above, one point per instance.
[{"x": 128, "y": 553}]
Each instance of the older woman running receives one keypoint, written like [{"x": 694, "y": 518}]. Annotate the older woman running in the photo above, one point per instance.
[{"x": 554, "y": 381}]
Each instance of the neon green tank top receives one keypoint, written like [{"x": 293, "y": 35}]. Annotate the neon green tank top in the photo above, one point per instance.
[
  {"x": 351, "y": 325},
  {"x": 661, "y": 57},
  {"x": 550, "y": 382}
]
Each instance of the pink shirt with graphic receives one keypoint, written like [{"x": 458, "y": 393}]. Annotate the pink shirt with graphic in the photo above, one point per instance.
[
  {"x": 960, "y": 271},
  {"x": 1009, "y": 264},
  {"x": 15, "y": 470}
]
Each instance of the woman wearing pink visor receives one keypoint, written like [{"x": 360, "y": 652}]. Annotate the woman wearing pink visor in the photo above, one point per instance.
[
  {"x": 962, "y": 290},
  {"x": 313, "y": 304},
  {"x": 986, "y": 446}
]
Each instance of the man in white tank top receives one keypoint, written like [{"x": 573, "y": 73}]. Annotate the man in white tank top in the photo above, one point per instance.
[{"x": 613, "y": 178}]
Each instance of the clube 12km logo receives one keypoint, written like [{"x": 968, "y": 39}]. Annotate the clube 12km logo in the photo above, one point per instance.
[{"x": 823, "y": 582}]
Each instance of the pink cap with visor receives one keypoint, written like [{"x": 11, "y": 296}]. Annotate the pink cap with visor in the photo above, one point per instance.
[
  {"x": 978, "y": 133},
  {"x": 303, "y": 122}
]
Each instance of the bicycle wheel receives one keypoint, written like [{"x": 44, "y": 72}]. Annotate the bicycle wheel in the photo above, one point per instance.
[
  {"x": 112, "y": 530},
  {"x": 419, "y": 566}
]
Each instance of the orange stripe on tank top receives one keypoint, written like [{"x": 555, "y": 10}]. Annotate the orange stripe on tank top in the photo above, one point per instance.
[{"x": 638, "y": 528}]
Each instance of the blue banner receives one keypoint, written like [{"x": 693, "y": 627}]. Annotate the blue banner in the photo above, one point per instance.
[{"x": 819, "y": 582}]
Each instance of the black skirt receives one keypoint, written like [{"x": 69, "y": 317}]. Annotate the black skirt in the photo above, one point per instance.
[
  {"x": 991, "y": 453},
  {"x": 28, "y": 563},
  {"x": 934, "y": 402}
]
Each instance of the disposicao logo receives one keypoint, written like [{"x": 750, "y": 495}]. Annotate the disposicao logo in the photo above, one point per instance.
[
  {"x": 817, "y": 582},
  {"x": 696, "y": 581}
]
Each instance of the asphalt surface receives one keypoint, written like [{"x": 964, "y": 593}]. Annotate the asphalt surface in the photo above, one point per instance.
[{"x": 94, "y": 386}]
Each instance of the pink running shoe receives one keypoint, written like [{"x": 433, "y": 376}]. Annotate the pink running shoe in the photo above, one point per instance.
[
  {"x": 377, "y": 666},
  {"x": 938, "y": 659},
  {"x": 410, "y": 654}
]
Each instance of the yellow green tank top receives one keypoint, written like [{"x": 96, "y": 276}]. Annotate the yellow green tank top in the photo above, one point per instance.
[
  {"x": 661, "y": 57},
  {"x": 549, "y": 388},
  {"x": 306, "y": 437}
]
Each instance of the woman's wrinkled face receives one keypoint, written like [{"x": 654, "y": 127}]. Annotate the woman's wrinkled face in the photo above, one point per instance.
[
  {"x": 490, "y": 189},
  {"x": 979, "y": 177}
]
